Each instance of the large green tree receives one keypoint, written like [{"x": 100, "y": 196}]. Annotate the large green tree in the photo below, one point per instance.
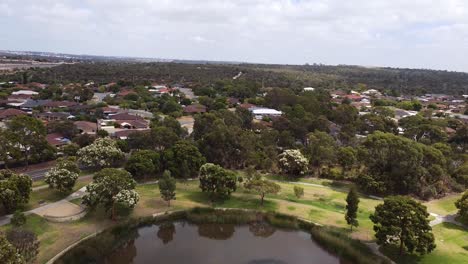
[
  {"x": 28, "y": 134},
  {"x": 109, "y": 188},
  {"x": 183, "y": 159},
  {"x": 216, "y": 181},
  {"x": 14, "y": 189},
  {"x": 143, "y": 163},
  {"x": 403, "y": 221},
  {"x": 321, "y": 149},
  {"x": 397, "y": 165}
]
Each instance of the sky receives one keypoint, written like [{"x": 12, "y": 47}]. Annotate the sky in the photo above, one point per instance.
[{"x": 397, "y": 33}]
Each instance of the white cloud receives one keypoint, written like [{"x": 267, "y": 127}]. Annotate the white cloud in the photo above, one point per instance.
[{"x": 377, "y": 32}]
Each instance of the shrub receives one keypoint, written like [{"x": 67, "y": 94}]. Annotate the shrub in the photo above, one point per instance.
[
  {"x": 298, "y": 192},
  {"x": 18, "y": 219}
]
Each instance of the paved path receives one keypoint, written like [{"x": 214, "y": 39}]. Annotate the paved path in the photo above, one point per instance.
[{"x": 45, "y": 209}]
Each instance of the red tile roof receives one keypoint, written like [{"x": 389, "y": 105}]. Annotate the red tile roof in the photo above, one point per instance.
[
  {"x": 9, "y": 113},
  {"x": 125, "y": 116}
]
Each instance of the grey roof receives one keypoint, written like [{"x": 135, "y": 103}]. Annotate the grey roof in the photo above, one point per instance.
[{"x": 34, "y": 103}]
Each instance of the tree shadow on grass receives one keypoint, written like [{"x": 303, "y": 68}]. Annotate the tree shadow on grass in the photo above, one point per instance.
[{"x": 393, "y": 253}]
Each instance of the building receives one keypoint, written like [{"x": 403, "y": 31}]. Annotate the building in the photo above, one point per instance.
[
  {"x": 260, "y": 112},
  {"x": 29, "y": 105},
  {"x": 25, "y": 92},
  {"x": 57, "y": 140},
  {"x": 10, "y": 113},
  {"x": 58, "y": 104},
  {"x": 53, "y": 116},
  {"x": 85, "y": 127},
  {"x": 309, "y": 89},
  {"x": 194, "y": 109}
]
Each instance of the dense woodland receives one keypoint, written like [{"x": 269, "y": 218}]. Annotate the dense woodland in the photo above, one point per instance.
[{"x": 406, "y": 81}]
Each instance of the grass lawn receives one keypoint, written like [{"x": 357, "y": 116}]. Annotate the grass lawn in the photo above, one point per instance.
[
  {"x": 321, "y": 205},
  {"x": 452, "y": 247},
  {"x": 47, "y": 195},
  {"x": 443, "y": 206}
]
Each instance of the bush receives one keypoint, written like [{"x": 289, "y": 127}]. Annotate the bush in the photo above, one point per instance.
[
  {"x": 18, "y": 219},
  {"x": 298, "y": 192}
]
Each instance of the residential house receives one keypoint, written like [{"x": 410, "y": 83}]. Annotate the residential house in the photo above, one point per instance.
[
  {"x": 57, "y": 140},
  {"x": 123, "y": 134},
  {"x": 194, "y": 109},
  {"x": 29, "y": 105},
  {"x": 58, "y": 104},
  {"x": 85, "y": 127},
  {"x": 53, "y": 116},
  {"x": 261, "y": 112},
  {"x": 9, "y": 113}
]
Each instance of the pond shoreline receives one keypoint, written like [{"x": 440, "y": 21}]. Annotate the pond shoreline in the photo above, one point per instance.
[{"x": 331, "y": 241}]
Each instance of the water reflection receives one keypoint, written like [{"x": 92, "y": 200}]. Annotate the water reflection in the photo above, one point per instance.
[
  {"x": 166, "y": 232},
  {"x": 256, "y": 243},
  {"x": 216, "y": 231},
  {"x": 261, "y": 229}
]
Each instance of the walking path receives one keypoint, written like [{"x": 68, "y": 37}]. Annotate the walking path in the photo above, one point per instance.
[{"x": 59, "y": 208}]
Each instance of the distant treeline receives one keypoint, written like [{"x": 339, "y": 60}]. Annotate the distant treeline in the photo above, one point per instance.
[{"x": 407, "y": 81}]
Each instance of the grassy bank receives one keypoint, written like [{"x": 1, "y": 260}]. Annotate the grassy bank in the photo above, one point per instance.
[{"x": 320, "y": 205}]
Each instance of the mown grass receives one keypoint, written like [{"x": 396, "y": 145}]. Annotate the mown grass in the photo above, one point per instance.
[
  {"x": 47, "y": 195},
  {"x": 319, "y": 204},
  {"x": 443, "y": 206}
]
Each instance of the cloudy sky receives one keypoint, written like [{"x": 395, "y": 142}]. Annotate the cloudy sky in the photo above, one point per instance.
[{"x": 404, "y": 33}]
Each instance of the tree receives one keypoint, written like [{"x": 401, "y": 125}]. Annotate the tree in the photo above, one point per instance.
[
  {"x": 143, "y": 163},
  {"x": 398, "y": 165},
  {"x": 216, "y": 181},
  {"x": 347, "y": 157},
  {"x": 298, "y": 192},
  {"x": 183, "y": 159},
  {"x": 462, "y": 205},
  {"x": 352, "y": 202},
  {"x": 101, "y": 153},
  {"x": 262, "y": 187},
  {"x": 25, "y": 242},
  {"x": 7, "y": 146},
  {"x": 109, "y": 188},
  {"x": 18, "y": 219},
  {"x": 14, "y": 189},
  {"x": 321, "y": 149},
  {"x": 63, "y": 175},
  {"x": 405, "y": 221},
  {"x": 292, "y": 162},
  {"x": 163, "y": 137},
  {"x": 28, "y": 133},
  {"x": 8, "y": 253},
  {"x": 167, "y": 187}
]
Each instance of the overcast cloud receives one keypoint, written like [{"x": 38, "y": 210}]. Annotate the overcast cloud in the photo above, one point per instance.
[{"x": 404, "y": 33}]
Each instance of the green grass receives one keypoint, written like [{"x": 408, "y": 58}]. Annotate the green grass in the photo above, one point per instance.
[
  {"x": 443, "y": 206},
  {"x": 321, "y": 205},
  {"x": 34, "y": 223},
  {"x": 47, "y": 195},
  {"x": 452, "y": 248}
]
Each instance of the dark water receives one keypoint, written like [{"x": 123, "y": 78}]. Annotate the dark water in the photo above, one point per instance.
[{"x": 181, "y": 242}]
